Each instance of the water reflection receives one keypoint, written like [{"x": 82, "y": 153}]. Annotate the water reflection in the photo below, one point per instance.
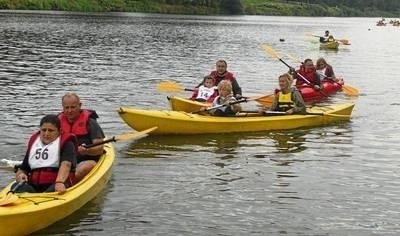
[
  {"x": 222, "y": 145},
  {"x": 84, "y": 218},
  {"x": 225, "y": 146}
]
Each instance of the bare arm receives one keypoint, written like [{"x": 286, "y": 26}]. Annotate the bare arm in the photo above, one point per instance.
[
  {"x": 93, "y": 151},
  {"x": 62, "y": 176}
]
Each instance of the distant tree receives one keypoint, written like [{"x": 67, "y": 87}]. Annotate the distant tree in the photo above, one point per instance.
[{"x": 231, "y": 7}]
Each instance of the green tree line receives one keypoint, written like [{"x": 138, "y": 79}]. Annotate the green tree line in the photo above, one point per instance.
[{"x": 214, "y": 7}]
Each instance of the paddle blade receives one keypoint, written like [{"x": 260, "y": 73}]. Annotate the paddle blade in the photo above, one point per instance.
[
  {"x": 270, "y": 51},
  {"x": 137, "y": 135},
  {"x": 9, "y": 199},
  {"x": 349, "y": 90},
  {"x": 312, "y": 35},
  {"x": 344, "y": 41},
  {"x": 169, "y": 86},
  {"x": 295, "y": 59},
  {"x": 266, "y": 100}
]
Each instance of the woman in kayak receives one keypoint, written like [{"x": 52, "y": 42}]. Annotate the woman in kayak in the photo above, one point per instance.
[
  {"x": 288, "y": 99},
  {"x": 50, "y": 159},
  {"x": 325, "y": 71}
]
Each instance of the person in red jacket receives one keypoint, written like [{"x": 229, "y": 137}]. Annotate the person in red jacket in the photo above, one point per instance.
[
  {"x": 50, "y": 160},
  {"x": 82, "y": 123},
  {"x": 221, "y": 73},
  {"x": 307, "y": 75}
]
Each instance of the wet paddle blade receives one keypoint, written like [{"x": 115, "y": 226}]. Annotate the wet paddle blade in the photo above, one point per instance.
[
  {"x": 344, "y": 41},
  {"x": 169, "y": 86},
  {"x": 137, "y": 135},
  {"x": 295, "y": 59},
  {"x": 349, "y": 90},
  {"x": 270, "y": 51},
  {"x": 266, "y": 100},
  {"x": 312, "y": 35},
  {"x": 9, "y": 199}
]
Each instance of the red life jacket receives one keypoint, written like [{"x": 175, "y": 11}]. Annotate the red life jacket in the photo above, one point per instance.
[
  {"x": 217, "y": 77},
  {"x": 79, "y": 127},
  {"x": 42, "y": 176},
  {"x": 310, "y": 75}
]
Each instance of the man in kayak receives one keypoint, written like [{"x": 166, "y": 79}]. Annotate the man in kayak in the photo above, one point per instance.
[
  {"x": 325, "y": 38},
  {"x": 82, "y": 123},
  {"x": 221, "y": 73},
  {"x": 307, "y": 75}
]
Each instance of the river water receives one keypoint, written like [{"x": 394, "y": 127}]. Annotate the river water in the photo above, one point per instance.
[{"x": 335, "y": 180}]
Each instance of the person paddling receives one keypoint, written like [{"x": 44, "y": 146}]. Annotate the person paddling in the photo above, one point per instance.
[
  {"x": 325, "y": 38},
  {"x": 288, "y": 99},
  {"x": 307, "y": 75},
  {"x": 50, "y": 160}
]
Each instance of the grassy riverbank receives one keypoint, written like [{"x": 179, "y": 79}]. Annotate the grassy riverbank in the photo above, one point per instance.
[{"x": 214, "y": 7}]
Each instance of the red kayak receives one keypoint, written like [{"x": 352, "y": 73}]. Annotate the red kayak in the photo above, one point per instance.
[{"x": 329, "y": 88}]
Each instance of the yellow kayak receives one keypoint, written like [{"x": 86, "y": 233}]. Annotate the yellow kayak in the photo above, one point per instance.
[
  {"x": 183, "y": 104},
  {"x": 180, "y": 122},
  {"x": 30, "y": 212},
  {"x": 330, "y": 45}
]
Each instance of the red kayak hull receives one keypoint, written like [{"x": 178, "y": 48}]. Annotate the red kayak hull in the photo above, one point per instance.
[{"x": 329, "y": 88}]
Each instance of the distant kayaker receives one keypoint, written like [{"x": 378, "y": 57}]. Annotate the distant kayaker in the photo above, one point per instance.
[
  {"x": 50, "y": 160},
  {"x": 221, "y": 74},
  {"x": 288, "y": 99},
  {"x": 307, "y": 75},
  {"x": 82, "y": 123},
  {"x": 206, "y": 92},
  {"x": 324, "y": 70},
  {"x": 325, "y": 38},
  {"x": 225, "y": 97}
]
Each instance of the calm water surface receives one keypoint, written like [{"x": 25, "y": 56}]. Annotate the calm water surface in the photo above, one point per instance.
[{"x": 336, "y": 180}]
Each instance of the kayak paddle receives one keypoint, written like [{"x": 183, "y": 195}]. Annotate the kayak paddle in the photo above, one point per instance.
[{"x": 270, "y": 51}]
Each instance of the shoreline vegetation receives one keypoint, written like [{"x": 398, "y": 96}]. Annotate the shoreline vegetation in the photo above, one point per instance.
[{"x": 333, "y": 8}]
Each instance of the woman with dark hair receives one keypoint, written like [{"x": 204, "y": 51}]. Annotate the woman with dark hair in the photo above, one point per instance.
[{"x": 50, "y": 159}]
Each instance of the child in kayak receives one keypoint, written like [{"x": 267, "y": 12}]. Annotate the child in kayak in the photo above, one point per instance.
[
  {"x": 206, "y": 92},
  {"x": 224, "y": 103}
]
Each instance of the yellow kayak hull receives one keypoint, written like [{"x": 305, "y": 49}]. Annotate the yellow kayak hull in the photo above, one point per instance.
[
  {"x": 35, "y": 211},
  {"x": 183, "y": 104},
  {"x": 179, "y": 122},
  {"x": 334, "y": 45}
]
